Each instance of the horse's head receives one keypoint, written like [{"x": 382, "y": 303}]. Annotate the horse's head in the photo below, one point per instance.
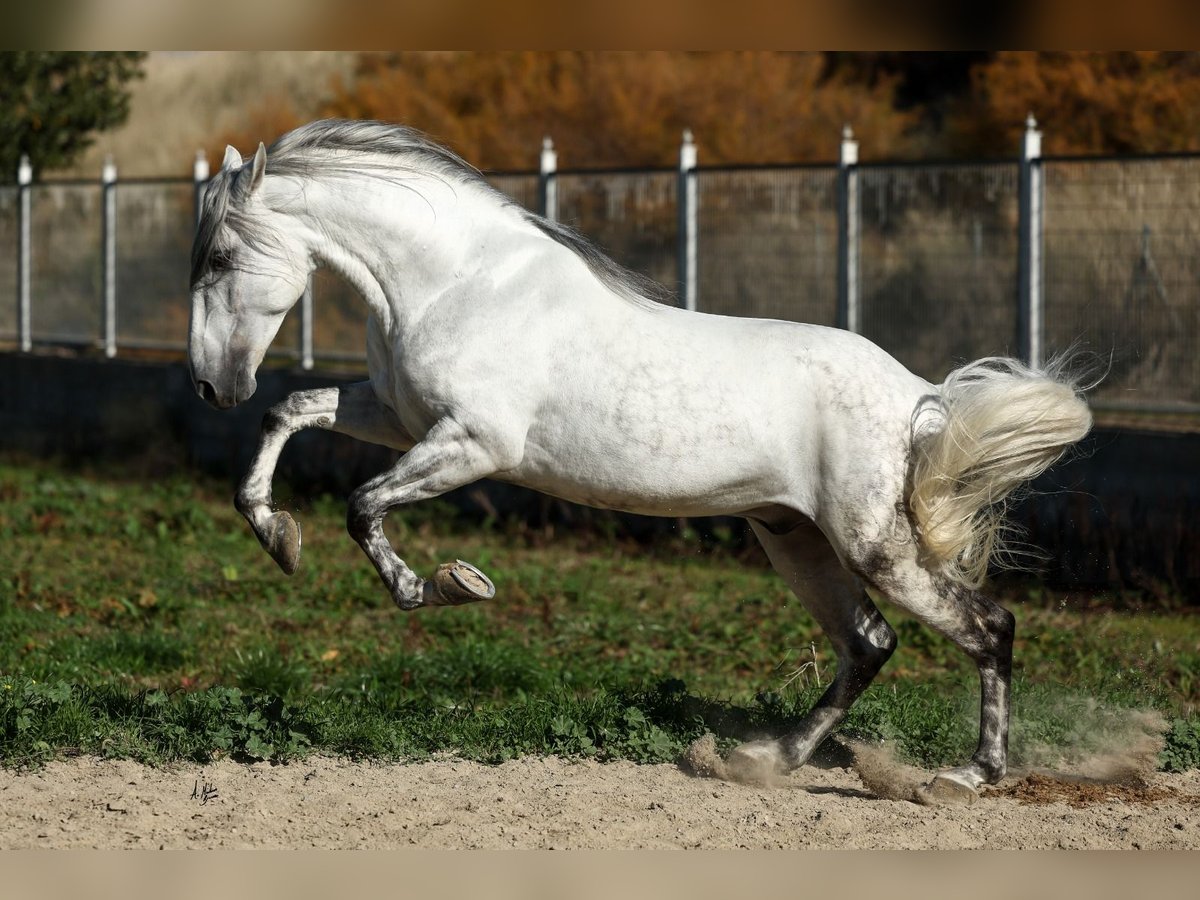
[{"x": 248, "y": 270}]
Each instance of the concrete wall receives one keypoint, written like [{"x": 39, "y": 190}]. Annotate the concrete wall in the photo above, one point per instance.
[
  {"x": 104, "y": 410},
  {"x": 1124, "y": 510}
]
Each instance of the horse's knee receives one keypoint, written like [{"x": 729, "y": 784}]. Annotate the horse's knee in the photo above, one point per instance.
[
  {"x": 874, "y": 647},
  {"x": 860, "y": 660},
  {"x": 364, "y": 514},
  {"x": 881, "y": 641},
  {"x": 359, "y": 520},
  {"x": 278, "y": 417}
]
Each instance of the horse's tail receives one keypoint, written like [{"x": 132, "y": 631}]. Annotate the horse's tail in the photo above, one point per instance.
[{"x": 1003, "y": 424}]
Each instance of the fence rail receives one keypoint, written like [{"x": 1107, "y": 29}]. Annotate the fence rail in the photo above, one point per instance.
[{"x": 936, "y": 262}]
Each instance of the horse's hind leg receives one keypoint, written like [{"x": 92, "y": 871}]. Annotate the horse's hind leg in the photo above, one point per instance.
[
  {"x": 861, "y": 637},
  {"x": 984, "y": 631},
  {"x": 353, "y": 410}
]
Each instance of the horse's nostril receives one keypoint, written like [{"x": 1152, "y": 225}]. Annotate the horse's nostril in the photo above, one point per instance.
[{"x": 206, "y": 391}]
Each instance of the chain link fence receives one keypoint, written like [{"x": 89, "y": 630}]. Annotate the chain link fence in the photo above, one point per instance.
[
  {"x": 65, "y": 267},
  {"x": 632, "y": 215},
  {"x": 936, "y": 274},
  {"x": 154, "y": 246},
  {"x": 767, "y": 243},
  {"x": 1122, "y": 273},
  {"x": 938, "y": 263}
]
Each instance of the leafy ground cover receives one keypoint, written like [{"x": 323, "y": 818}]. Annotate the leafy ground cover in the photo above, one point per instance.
[{"x": 140, "y": 618}]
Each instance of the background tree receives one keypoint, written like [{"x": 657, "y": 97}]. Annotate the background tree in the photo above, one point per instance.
[
  {"x": 53, "y": 103},
  {"x": 611, "y": 108},
  {"x": 628, "y": 108},
  {"x": 1087, "y": 102}
]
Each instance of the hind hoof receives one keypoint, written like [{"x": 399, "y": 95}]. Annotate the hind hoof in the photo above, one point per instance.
[
  {"x": 756, "y": 762},
  {"x": 282, "y": 541},
  {"x": 457, "y": 583},
  {"x": 946, "y": 790}
]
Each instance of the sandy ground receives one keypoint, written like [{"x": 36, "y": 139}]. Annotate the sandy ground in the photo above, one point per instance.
[{"x": 552, "y": 803}]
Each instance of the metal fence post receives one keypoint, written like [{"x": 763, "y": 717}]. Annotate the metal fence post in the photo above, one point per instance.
[
  {"x": 24, "y": 253},
  {"x": 1030, "y": 305},
  {"x": 849, "y": 310},
  {"x": 687, "y": 222},
  {"x": 548, "y": 181},
  {"x": 108, "y": 240},
  {"x": 199, "y": 179},
  {"x": 306, "y": 326}
]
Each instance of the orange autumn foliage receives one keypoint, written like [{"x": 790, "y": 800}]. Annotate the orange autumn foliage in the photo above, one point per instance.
[
  {"x": 629, "y": 108},
  {"x": 609, "y": 108},
  {"x": 1086, "y": 103}
]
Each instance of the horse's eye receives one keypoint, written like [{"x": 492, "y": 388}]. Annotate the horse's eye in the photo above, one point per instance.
[{"x": 222, "y": 261}]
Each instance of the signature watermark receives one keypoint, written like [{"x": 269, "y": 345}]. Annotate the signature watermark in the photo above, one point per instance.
[{"x": 204, "y": 791}]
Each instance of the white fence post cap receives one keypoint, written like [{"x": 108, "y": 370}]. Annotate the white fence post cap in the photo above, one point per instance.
[
  {"x": 24, "y": 171},
  {"x": 1031, "y": 146},
  {"x": 687, "y": 151},
  {"x": 200, "y": 167},
  {"x": 848, "y": 155},
  {"x": 549, "y": 161}
]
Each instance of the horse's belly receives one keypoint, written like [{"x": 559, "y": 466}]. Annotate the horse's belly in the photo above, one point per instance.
[
  {"x": 651, "y": 477},
  {"x": 662, "y": 439},
  {"x": 648, "y": 496}
]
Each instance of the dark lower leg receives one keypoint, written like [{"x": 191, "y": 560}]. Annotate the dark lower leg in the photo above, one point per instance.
[
  {"x": 860, "y": 636},
  {"x": 858, "y": 665},
  {"x": 993, "y": 654},
  {"x": 995, "y": 678}
]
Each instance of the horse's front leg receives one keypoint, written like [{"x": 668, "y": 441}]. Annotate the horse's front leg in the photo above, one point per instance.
[
  {"x": 448, "y": 457},
  {"x": 352, "y": 410}
]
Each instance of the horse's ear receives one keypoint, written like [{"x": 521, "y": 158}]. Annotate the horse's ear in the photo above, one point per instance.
[
  {"x": 233, "y": 159},
  {"x": 259, "y": 166}
]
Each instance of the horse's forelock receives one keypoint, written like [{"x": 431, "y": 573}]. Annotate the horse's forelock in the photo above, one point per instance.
[
  {"x": 221, "y": 207},
  {"x": 213, "y": 213}
]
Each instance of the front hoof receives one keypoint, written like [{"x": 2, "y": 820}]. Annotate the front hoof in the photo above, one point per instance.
[
  {"x": 756, "y": 762},
  {"x": 946, "y": 790},
  {"x": 457, "y": 583},
  {"x": 281, "y": 539}
]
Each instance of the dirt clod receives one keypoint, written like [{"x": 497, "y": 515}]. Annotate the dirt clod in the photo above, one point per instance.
[
  {"x": 884, "y": 775},
  {"x": 703, "y": 760},
  {"x": 1041, "y": 789}
]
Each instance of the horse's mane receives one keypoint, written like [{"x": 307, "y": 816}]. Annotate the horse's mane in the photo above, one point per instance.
[{"x": 386, "y": 150}]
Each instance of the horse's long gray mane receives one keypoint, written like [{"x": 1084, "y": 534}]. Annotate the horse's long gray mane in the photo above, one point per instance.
[{"x": 336, "y": 147}]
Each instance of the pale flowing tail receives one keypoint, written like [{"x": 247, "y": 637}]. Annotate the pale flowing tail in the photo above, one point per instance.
[{"x": 1002, "y": 423}]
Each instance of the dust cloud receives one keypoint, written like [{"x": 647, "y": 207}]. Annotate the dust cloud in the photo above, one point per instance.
[{"x": 1104, "y": 747}]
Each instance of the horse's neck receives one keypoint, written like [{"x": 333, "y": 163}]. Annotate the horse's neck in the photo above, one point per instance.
[{"x": 399, "y": 243}]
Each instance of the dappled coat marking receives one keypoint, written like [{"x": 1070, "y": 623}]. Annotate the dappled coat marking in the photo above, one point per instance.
[{"x": 503, "y": 346}]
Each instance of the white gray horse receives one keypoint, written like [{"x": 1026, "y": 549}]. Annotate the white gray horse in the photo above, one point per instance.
[{"x": 503, "y": 346}]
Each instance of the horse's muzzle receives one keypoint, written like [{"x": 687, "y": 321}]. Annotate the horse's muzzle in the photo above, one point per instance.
[
  {"x": 224, "y": 395},
  {"x": 209, "y": 395}
]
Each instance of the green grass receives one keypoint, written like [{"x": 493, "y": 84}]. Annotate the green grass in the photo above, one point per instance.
[{"x": 139, "y": 617}]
